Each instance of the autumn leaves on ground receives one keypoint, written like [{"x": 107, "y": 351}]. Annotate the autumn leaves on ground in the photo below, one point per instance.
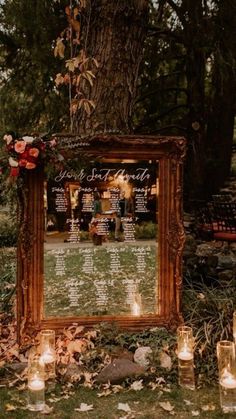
[{"x": 82, "y": 355}]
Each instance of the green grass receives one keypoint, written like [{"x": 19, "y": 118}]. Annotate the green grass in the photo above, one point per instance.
[{"x": 144, "y": 404}]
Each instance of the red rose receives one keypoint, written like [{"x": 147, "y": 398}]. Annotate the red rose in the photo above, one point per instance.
[
  {"x": 22, "y": 162},
  {"x": 32, "y": 159},
  {"x": 24, "y": 155}
]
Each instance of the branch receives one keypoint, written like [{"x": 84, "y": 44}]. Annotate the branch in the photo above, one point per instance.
[
  {"x": 167, "y": 89},
  {"x": 178, "y": 10},
  {"x": 155, "y": 30},
  {"x": 156, "y": 116},
  {"x": 166, "y": 128}
]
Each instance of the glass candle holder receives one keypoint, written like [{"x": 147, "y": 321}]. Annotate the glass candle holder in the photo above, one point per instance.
[
  {"x": 36, "y": 385},
  {"x": 234, "y": 326},
  {"x": 48, "y": 353},
  {"x": 227, "y": 375},
  {"x": 136, "y": 305},
  {"x": 185, "y": 357}
]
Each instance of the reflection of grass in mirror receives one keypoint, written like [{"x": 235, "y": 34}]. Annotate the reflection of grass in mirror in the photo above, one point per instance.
[{"x": 88, "y": 281}]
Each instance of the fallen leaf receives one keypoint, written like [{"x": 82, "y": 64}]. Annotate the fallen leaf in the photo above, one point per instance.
[
  {"x": 66, "y": 332},
  {"x": 167, "y": 390},
  {"x": 47, "y": 409},
  {"x": 105, "y": 393},
  {"x": 91, "y": 334},
  {"x": 84, "y": 407},
  {"x": 78, "y": 330},
  {"x": 9, "y": 407},
  {"x": 208, "y": 407},
  {"x": 137, "y": 385},
  {"x": 195, "y": 413},
  {"x": 54, "y": 399},
  {"x": 166, "y": 406},
  {"x": 77, "y": 345},
  {"x": 187, "y": 402},
  {"x": 21, "y": 387},
  {"x": 124, "y": 406},
  {"x": 160, "y": 380},
  {"x": 117, "y": 388}
]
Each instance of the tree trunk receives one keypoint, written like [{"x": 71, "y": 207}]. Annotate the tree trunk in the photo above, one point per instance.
[
  {"x": 220, "y": 129},
  {"x": 115, "y": 38},
  {"x": 195, "y": 75},
  {"x": 222, "y": 111},
  {"x": 195, "y": 163}
]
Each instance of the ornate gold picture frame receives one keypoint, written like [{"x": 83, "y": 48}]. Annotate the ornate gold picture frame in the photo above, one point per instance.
[{"x": 166, "y": 152}]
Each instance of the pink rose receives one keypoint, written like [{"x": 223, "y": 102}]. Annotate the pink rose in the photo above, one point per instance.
[
  {"x": 20, "y": 146},
  {"x": 34, "y": 152}
]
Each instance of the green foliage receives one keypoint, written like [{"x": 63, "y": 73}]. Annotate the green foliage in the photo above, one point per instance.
[
  {"x": 146, "y": 230},
  {"x": 8, "y": 230},
  {"x": 28, "y": 67},
  {"x": 7, "y": 278},
  {"x": 209, "y": 311}
]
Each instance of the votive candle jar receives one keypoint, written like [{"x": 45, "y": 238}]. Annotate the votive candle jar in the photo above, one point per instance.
[
  {"x": 234, "y": 326},
  {"x": 185, "y": 355},
  {"x": 48, "y": 353},
  {"x": 227, "y": 375},
  {"x": 36, "y": 384}
]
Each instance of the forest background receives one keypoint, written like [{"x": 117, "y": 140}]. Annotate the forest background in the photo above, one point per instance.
[{"x": 181, "y": 59}]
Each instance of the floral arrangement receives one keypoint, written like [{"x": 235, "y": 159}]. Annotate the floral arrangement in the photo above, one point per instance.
[{"x": 26, "y": 152}]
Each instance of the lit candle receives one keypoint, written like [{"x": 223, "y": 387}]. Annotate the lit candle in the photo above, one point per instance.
[
  {"x": 136, "y": 310},
  {"x": 48, "y": 354},
  {"x": 228, "y": 380},
  {"x": 36, "y": 384},
  {"x": 185, "y": 353},
  {"x": 47, "y": 357}
]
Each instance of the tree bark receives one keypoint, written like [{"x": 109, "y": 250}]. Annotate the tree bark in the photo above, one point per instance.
[
  {"x": 114, "y": 35},
  {"x": 220, "y": 130},
  {"x": 195, "y": 76},
  {"x": 222, "y": 111}
]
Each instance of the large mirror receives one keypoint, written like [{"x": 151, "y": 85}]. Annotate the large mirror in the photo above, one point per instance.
[{"x": 101, "y": 238}]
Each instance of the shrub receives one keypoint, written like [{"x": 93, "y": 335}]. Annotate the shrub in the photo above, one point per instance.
[
  {"x": 7, "y": 278},
  {"x": 145, "y": 230},
  {"x": 8, "y": 230},
  {"x": 209, "y": 311}
]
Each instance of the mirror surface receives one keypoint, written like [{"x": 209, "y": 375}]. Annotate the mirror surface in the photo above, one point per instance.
[{"x": 101, "y": 240}]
